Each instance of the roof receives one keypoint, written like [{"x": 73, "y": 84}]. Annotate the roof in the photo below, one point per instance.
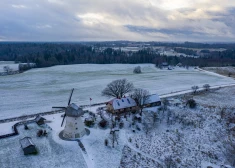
[
  {"x": 26, "y": 142},
  {"x": 74, "y": 111},
  {"x": 122, "y": 103},
  {"x": 165, "y": 64},
  {"x": 151, "y": 99},
  {"x": 39, "y": 118}
]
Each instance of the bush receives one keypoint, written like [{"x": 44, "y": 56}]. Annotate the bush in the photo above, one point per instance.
[
  {"x": 192, "y": 103},
  {"x": 106, "y": 142},
  {"x": 40, "y": 133},
  {"x": 103, "y": 123},
  {"x": 121, "y": 124},
  {"x": 137, "y": 70},
  {"x": 206, "y": 87},
  {"x": 89, "y": 123}
]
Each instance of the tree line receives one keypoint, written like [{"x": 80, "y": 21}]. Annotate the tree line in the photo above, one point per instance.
[{"x": 49, "y": 54}]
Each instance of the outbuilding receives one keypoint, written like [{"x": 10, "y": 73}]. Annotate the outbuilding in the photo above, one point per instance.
[
  {"x": 151, "y": 101},
  {"x": 28, "y": 146},
  {"x": 40, "y": 120}
]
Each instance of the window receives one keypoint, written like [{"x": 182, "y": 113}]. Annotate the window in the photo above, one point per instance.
[
  {"x": 128, "y": 101},
  {"x": 76, "y": 128},
  {"x": 118, "y": 103},
  {"x": 122, "y": 100}
]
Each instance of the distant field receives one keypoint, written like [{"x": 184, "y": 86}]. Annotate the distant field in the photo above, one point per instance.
[
  {"x": 11, "y": 64},
  {"x": 37, "y": 90},
  {"x": 222, "y": 70}
]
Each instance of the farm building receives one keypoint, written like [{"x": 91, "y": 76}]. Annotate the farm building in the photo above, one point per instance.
[
  {"x": 120, "y": 106},
  {"x": 151, "y": 101},
  {"x": 40, "y": 120},
  {"x": 28, "y": 146}
]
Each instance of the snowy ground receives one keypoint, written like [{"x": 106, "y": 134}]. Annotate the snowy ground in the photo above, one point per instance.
[
  {"x": 11, "y": 65},
  {"x": 184, "y": 137},
  {"x": 191, "y": 138},
  {"x": 222, "y": 70},
  {"x": 37, "y": 90},
  {"x": 52, "y": 152}
]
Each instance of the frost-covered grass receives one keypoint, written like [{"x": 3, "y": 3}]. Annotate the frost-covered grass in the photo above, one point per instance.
[
  {"x": 222, "y": 70},
  {"x": 37, "y": 90},
  {"x": 223, "y": 97},
  {"x": 187, "y": 137}
]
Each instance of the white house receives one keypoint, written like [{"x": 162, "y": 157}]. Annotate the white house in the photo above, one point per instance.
[{"x": 122, "y": 105}]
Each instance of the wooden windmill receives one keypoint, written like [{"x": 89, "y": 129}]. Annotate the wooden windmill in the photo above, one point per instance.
[{"x": 74, "y": 126}]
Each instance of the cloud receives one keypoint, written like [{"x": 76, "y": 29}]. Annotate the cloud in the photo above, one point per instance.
[{"x": 142, "y": 20}]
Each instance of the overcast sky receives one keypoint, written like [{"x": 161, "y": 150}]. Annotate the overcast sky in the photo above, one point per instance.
[{"x": 98, "y": 20}]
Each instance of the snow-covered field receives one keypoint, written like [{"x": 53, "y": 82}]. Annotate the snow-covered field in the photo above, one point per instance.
[
  {"x": 38, "y": 90},
  {"x": 11, "y": 65}
]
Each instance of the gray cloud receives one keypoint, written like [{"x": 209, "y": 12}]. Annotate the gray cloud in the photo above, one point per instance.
[{"x": 59, "y": 20}]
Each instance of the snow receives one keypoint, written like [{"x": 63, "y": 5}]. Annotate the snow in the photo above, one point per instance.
[
  {"x": 37, "y": 90},
  {"x": 51, "y": 153},
  {"x": 6, "y": 128},
  {"x": 190, "y": 137},
  {"x": 11, "y": 65}
]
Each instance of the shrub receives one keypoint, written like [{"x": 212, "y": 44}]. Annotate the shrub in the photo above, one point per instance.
[
  {"x": 103, "y": 123},
  {"x": 192, "y": 103},
  {"x": 121, "y": 124},
  {"x": 206, "y": 87},
  {"x": 26, "y": 127},
  {"x": 106, "y": 142},
  {"x": 89, "y": 123},
  {"x": 137, "y": 70},
  {"x": 40, "y": 133}
]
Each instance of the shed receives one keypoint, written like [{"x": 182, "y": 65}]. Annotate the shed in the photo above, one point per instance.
[
  {"x": 40, "y": 120},
  {"x": 28, "y": 146},
  {"x": 151, "y": 101}
]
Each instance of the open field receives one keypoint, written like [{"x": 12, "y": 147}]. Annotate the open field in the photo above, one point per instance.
[
  {"x": 226, "y": 71},
  {"x": 38, "y": 90}
]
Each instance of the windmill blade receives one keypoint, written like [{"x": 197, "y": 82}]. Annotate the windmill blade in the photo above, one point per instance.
[
  {"x": 70, "y": 96},
  {"x": 59, "y": 107},
  {"x": 63, "y": 120}
]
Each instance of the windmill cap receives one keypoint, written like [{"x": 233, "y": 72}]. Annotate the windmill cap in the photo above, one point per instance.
[{"x": 74, "y": 111}]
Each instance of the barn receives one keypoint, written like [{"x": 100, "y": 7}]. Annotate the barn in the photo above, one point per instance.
[
  {"x": 28, "y": 146},
  {"x": 122, "y": 105}
]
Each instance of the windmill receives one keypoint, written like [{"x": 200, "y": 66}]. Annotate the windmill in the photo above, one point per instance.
[{"x": 74, "y": 126}]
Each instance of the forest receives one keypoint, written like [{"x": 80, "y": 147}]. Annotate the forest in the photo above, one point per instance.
[{"x": 49, "y": 54}]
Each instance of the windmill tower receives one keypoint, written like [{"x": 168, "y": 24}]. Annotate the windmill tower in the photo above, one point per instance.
[{"x": 74, "y": 126}]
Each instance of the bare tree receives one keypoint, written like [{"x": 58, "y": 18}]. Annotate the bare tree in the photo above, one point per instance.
[
  {"x": 7, "y": 69},
  {"x": 118, "y": 88},
  {"x": 140, "y": 96},
  {"x": 137, "y": 70},
  {"x": 195, "y": 88},
  {"x": 206, "y": 87}
]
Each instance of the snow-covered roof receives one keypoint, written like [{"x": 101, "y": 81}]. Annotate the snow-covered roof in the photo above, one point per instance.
[
  {"x": 74, "y": 111},
  {"x": 39, "y": 118},
  {"x": 26, "y": 142},
  {"x": 151, "y": 99},
  {"x": 122, "y": 103}
]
